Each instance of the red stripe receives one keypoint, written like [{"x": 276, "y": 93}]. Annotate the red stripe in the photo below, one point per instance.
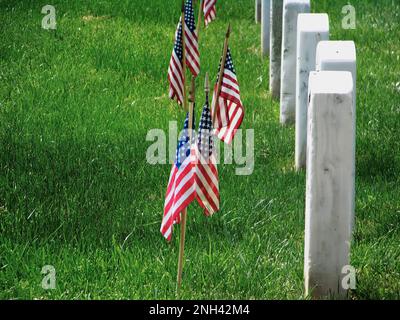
[
  {"x": 174, "y": 91},
  {"x": 229, "y": 87},
  {"x": 208, "y": 179},
  {"x": 183, "y": 173},
  {"x": 230, "y": 98},
  {"x": 234, "y": 80},
  {"x": 207, "y": 195}
]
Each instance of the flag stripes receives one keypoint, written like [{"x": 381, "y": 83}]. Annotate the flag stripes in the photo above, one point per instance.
[
  {"x": 209, "y": 11},
  {"x": 176, "y": 70},
  {"x": 207, "y": 189},
  {"x": 229, "y": 110},
  {"x": 192, "y": 46},
  {"x": 181, "y": 189}
]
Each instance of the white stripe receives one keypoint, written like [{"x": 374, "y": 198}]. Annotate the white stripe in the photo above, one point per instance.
[
  {"x": 168, "y": 232},
  {"x": 177, "y": 70},
  {"x": 192, "y": 63},
  {"x": 230, "y": 92},
  {"x": 208, "y": 6},
  {"x": 183, "y": 182},
  {"x": 204, "y": 200},
  {"x": 232, "y": 125},
  {"x": 230, "y": 83},
  {"x": 182, "y": 199},
  {"x": 230, "y": 73},
  {"x": 191, "y": 35},
  {"x": 207, "y": 187},
  {"x": 222, "y": 112},
  {"x": 212, "y": 176},
  {"x": 175, "y": 86}
]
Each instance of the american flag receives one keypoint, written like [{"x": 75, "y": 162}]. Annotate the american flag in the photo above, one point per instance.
[
  {"x": 181, "y": 190},
  {"x": 176, "y": 72},
  {"x": 192, "y": 46},
  {"x": 230, "y": 110},
  {"x": 175, "y": 69},
  {"x": 206, "y": 169},
  {"x": 209, "y": 11}
]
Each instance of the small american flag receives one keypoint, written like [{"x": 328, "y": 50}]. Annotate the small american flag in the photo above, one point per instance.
[
  {"x": 192, "y": 46},
  {"x": 209, "y": 11},
  {"x": 181, "y": 190},
  {"x": 230, "y": 110},
  {"x": 206, "y": 169},
  {"x": 176, "y": 71}
]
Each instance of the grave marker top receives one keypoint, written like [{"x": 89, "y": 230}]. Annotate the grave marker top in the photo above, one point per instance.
[
  {"x": 310, "y": 22},
  {"x": 335, "y": 51},
  {"x": 339, "y": 82}
]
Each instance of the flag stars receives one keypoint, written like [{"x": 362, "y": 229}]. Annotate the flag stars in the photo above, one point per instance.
[
  {"x": 178, "y": 43},
  {"x": 229, "y": 62},
  {"x": 183, "y": 149},
  {"x": 205, "y": 133},
  {"x": 189, "y": 15}
]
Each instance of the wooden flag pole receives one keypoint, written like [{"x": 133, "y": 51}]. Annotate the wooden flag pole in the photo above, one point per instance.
[
  {"x": 221, "y": 71},
  {"x": 206, "y": 87},
  {"x": 185, "y": 106},
  {"x": 181, "y": 250},
  {"x": 184, "y": 212}
]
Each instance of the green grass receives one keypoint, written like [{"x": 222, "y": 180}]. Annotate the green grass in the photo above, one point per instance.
[{"x": 77, "y": 193}]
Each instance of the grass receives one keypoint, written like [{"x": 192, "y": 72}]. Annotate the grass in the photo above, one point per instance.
[{"x": 77, "y": 193}]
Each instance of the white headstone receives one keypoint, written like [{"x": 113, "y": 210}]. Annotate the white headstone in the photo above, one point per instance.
[
  {"x": 265, "y": 26},
  {"x": 330, "y": 179},
  {"x": 311, "y": 29},
  {"x": 340, "y": 56},
  {"x": 258, "y": 11},
  {"x": 275, "y": 48},
  {"x": 291, "y": 9}
]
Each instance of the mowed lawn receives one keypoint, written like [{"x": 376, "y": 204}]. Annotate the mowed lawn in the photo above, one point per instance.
[{"x": 76, "y": 191}]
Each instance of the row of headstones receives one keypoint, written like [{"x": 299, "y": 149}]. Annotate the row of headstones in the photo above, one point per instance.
[{"x": 315, "y": 80}]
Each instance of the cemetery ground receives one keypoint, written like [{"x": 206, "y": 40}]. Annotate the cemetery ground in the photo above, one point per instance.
[{"x": 77, "y": 193}]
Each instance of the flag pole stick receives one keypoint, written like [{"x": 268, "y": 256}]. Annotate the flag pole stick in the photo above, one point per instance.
[
  {"x": 199, "y": 18},
  {"x": 184, "y": 212},
  {"x": 185, "y": 107},
  {"x": 181, "y": 250},
  {"x": 206, "y": 87},
  {"x": 221, "y": 71}
]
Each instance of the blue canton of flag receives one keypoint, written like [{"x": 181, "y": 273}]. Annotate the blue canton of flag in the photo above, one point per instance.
[
  {"x": 205, "y": 139},
  {"x": 183, "y": 149}
]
